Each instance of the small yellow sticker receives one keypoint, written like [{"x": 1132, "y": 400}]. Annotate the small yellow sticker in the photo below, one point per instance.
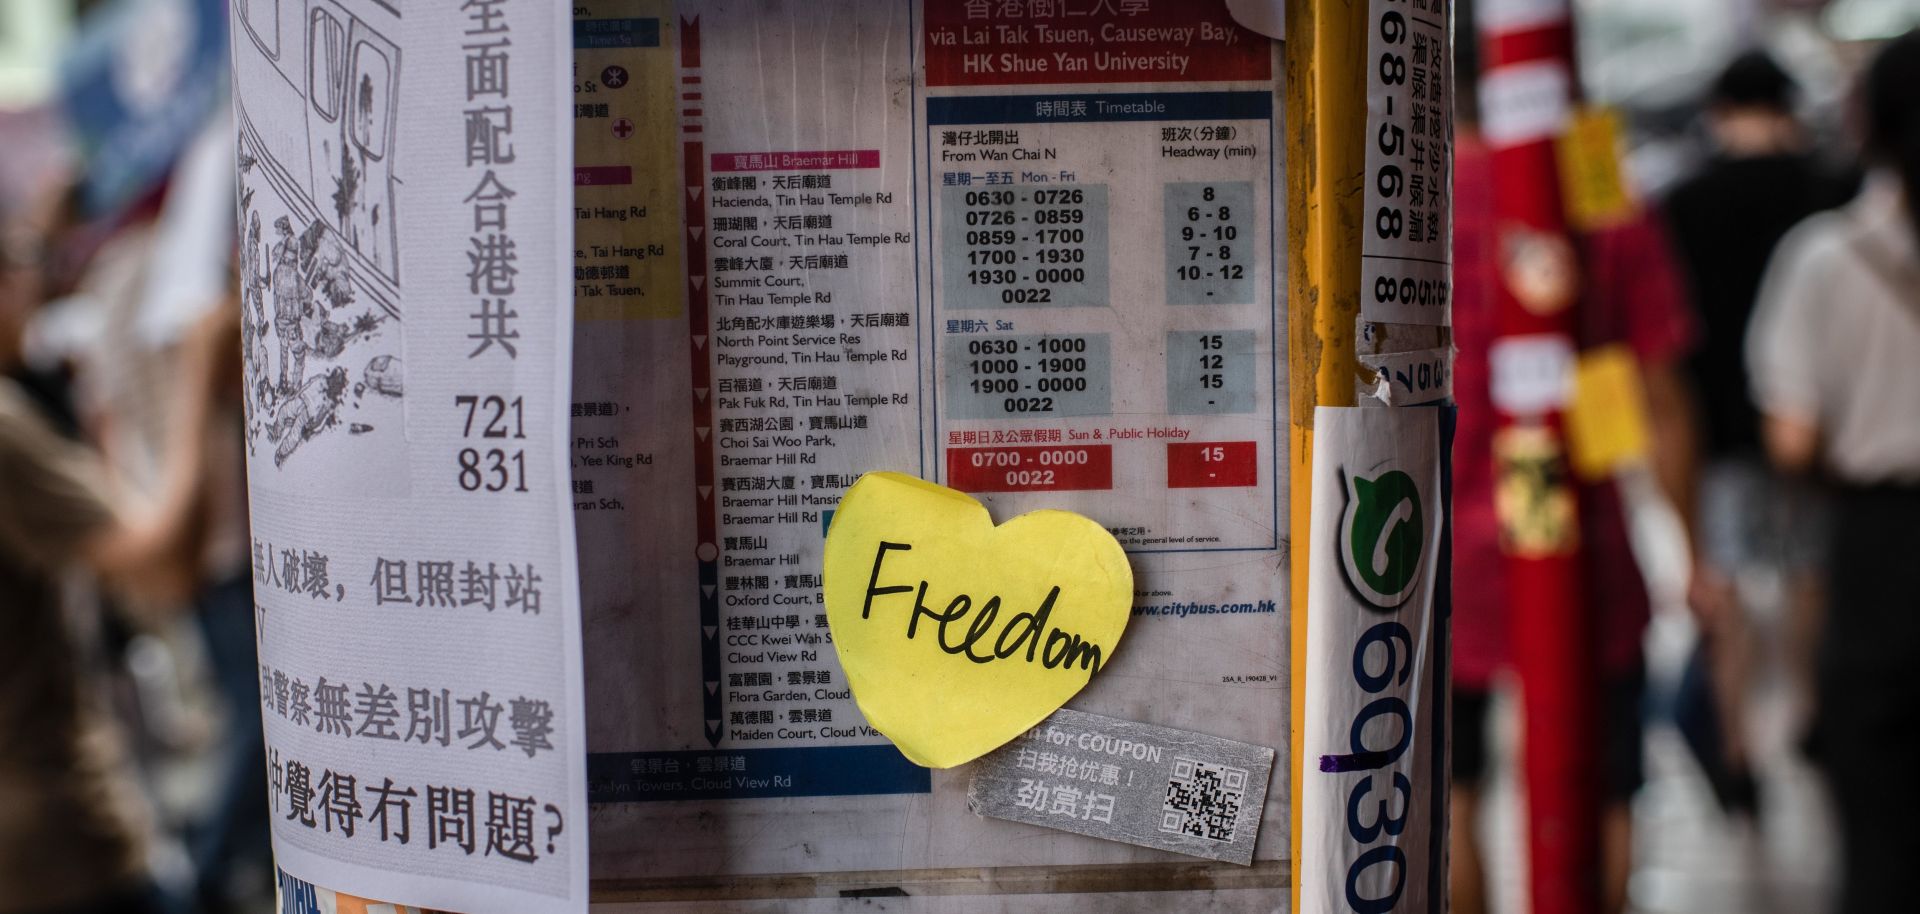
[
  {"x": 1592, "y": 181},
  {"x": 1607, "y": 420},
  {"x": 957, "y": 635},
  {"x": 1532, "y": 496}
]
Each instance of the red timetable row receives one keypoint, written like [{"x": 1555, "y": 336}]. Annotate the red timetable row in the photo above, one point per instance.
[{"x": 1089, "y": 467}]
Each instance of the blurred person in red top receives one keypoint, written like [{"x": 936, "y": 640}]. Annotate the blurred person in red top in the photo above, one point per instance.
[
  {"x": 1631, "y": 294},
  {"x": 74, "y": 823}
]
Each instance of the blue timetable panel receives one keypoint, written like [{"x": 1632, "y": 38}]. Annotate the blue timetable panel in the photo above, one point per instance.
[{"x": 1104, "y": 310}]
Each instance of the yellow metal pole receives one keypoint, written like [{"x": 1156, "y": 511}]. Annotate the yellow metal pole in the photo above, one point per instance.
[{"x": 1326, "y": 112}]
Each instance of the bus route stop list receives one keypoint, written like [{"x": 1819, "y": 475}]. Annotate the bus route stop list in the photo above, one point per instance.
[{"x": 1026, "y": 250}]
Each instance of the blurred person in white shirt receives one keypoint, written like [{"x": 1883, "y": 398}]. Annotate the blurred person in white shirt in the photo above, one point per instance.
[{"x": 1834, "y": 358}]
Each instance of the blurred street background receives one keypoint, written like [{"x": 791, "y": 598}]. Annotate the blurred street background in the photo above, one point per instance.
[{"x": 121, "y": 327}]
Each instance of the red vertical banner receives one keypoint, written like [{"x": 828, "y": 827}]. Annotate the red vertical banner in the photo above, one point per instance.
[{"x": 1528, "y": 87}]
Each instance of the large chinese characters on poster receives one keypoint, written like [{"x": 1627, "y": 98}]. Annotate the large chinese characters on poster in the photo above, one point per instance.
[{"x": 407, "y": 355}]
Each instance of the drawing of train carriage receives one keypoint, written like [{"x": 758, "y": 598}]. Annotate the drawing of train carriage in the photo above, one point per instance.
[
  {"x": 336, "y": 163},
  {"x": 319, "y": 255}
]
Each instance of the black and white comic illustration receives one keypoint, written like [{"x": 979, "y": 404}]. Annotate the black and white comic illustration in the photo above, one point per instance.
[{"x": 320, "y": 273}]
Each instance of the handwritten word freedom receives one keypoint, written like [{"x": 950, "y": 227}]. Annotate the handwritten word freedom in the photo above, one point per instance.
[{"x": 1063, "y": 649}]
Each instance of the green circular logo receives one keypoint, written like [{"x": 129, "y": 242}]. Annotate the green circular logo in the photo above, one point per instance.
[{"x": 1381, "y": 536}]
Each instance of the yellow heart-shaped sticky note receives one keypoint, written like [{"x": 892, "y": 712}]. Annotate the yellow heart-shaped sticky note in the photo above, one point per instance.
[{"x": 957, "y": 635}]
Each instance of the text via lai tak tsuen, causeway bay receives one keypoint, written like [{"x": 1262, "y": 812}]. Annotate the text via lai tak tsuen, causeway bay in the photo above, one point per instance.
[
  {"x": 1064, "y": 649},
  {"x": 958, "y": 635}
]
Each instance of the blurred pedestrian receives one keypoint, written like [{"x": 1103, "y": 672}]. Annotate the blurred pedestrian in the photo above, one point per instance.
[
  {"x": 1834, "y": 359},
  {"x": 1761, "y": 179},
  {"x": 74, "y": 825}
]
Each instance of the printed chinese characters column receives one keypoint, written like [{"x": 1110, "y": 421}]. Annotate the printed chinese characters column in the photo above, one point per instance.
[
  {"x": 805, "y": 393},
  {"x": 413, "y": 556},
  {"x": 792, "y": 369},
  {"x": 633, "y": 427},
  {"x": 1406, "y": 272}
]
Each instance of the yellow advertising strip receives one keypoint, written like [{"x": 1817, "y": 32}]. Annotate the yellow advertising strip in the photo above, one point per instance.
[
  {"x": 627, "y": 225},
  {"x": 1326, "y": 111}
]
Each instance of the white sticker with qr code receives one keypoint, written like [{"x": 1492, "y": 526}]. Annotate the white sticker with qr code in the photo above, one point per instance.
[{"x": 1123, "y": 781}]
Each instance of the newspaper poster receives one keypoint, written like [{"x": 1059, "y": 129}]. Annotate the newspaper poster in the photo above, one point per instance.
[
  {"x": 407, "y": 356},
  {"x": 1025, "y": 250},
  {"x": 1373, "y": 755}
]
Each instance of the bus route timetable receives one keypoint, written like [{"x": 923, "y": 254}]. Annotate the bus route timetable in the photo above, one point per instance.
[{"x": 1103, "y": 310}]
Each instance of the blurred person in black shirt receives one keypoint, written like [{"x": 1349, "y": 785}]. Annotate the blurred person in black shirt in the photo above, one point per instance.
[{"x": 1761, "y": 179}]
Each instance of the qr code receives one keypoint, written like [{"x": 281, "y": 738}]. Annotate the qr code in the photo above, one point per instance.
[{"x": 1203, "y": 800}]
